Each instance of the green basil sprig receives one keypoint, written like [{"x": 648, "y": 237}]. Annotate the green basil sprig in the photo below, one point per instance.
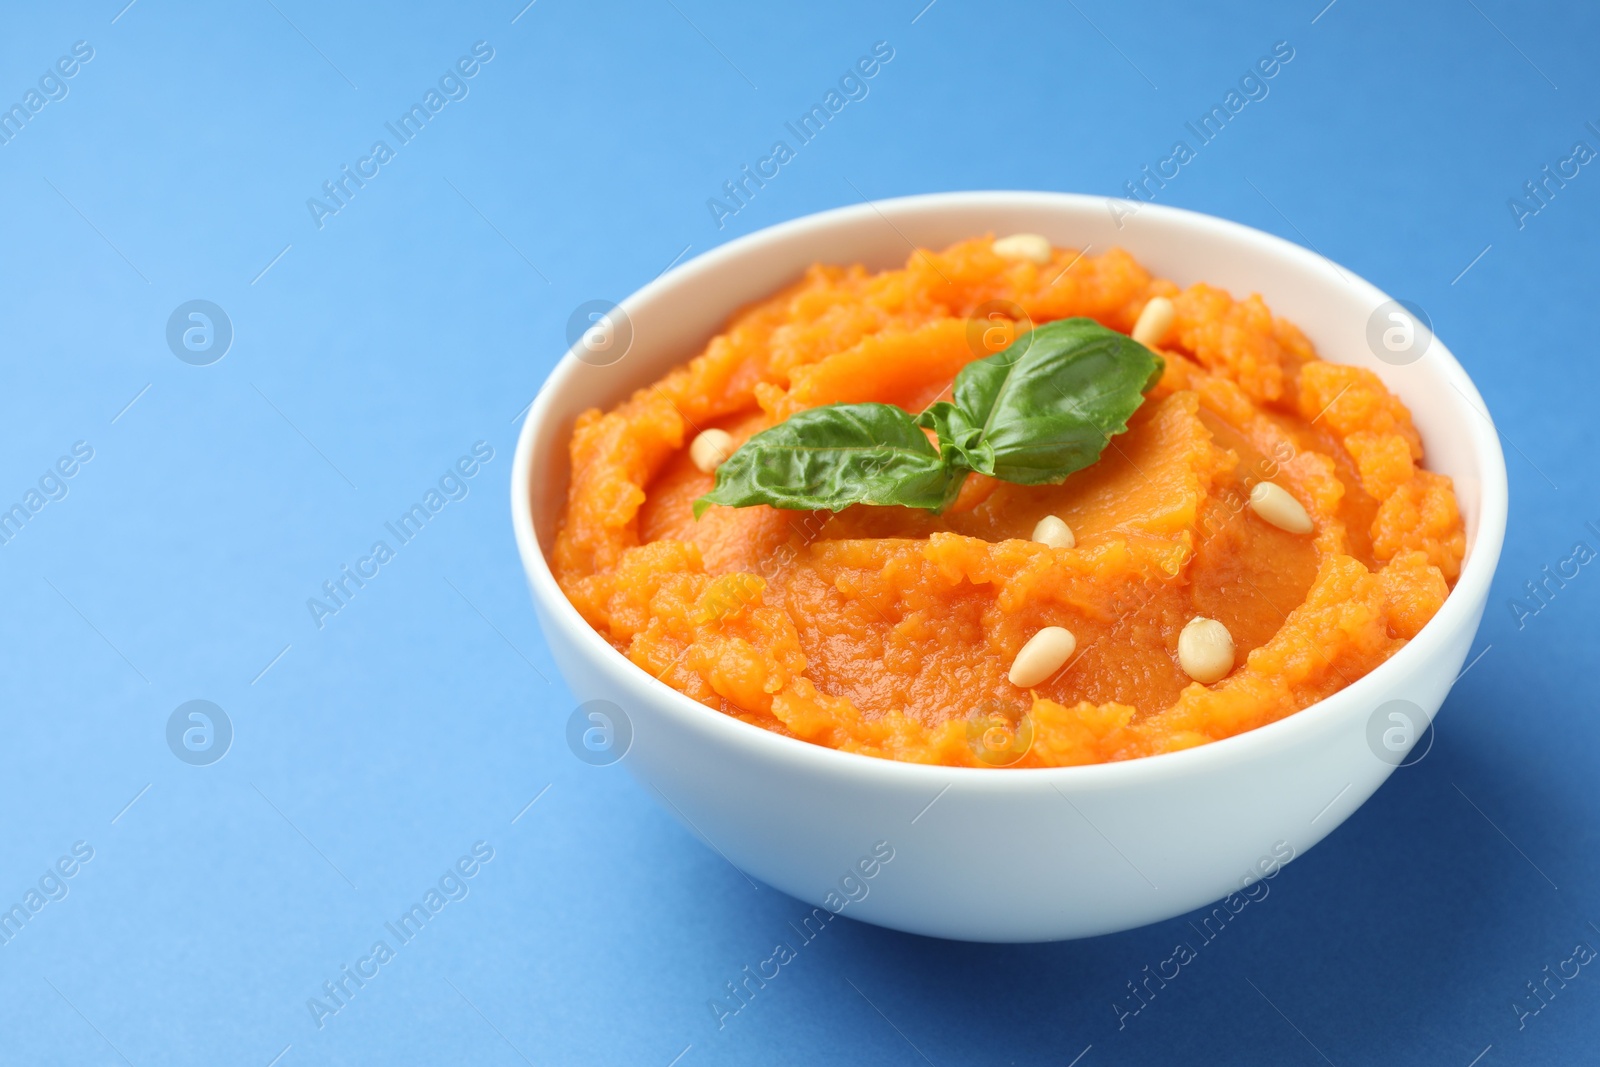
[{"x": 1044, "y": 407}]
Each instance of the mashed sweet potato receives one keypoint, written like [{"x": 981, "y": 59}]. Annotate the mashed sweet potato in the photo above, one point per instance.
[{"x": 889, "y": 631}]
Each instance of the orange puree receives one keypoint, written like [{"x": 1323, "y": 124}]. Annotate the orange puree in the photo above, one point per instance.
[{"x": 890, "y": 631}]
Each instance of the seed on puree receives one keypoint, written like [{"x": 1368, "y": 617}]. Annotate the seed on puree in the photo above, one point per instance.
[{"x": 966, "y": 536}]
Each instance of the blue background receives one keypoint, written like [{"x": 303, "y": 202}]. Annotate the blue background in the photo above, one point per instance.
[{"x": 425, "y": 716}]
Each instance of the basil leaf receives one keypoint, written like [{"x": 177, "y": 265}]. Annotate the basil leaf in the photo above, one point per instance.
[
  {"x": 827, "y": 458},
  {"x": 1032, "y": 414},
  {"x": 1049, "y": 404},
  {"x": 960, "y": 441}
]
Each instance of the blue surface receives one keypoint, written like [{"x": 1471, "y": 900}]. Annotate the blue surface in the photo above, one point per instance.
[{"x": 369, "y": 354}]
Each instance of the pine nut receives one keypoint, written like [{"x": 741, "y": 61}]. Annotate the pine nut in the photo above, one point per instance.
[
  {"x": 1205, "y": 650},
  {"x": 1054, "y": 532},
  {"x": 1042, "y": 656},
  {"x": 1274, "y": 504},
  {"x": 1033, "y": 247},
  {"x": 710, "y": 448},
  {"x": 1154, "y": 322}
]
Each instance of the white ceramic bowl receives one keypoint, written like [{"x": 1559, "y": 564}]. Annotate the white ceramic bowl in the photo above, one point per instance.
[{"x": 994, "y": 854}]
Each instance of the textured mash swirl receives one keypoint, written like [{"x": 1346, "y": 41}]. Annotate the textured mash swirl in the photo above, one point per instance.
[{"x": 890, "y": 632}]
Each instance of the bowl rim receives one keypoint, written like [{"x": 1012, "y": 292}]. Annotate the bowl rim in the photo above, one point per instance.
[{"x": 1460, "y": 608}]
